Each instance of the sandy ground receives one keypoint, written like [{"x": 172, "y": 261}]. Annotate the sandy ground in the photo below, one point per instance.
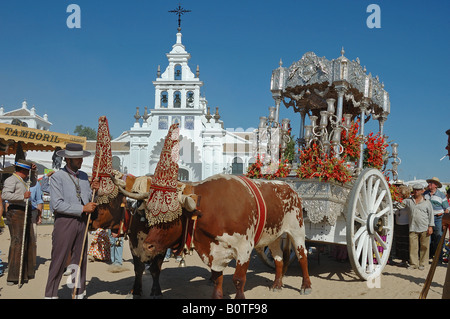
[{"x": 330, "y": 279}]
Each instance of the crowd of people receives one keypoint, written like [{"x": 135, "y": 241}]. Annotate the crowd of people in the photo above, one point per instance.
[{"x": 418, "y": 223}]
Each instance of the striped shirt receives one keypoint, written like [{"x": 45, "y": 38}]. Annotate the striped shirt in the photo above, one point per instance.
[{"x": 438, "y": 201}]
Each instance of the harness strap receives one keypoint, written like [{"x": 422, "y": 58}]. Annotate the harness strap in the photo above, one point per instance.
[{"x": 260, "y": 204}]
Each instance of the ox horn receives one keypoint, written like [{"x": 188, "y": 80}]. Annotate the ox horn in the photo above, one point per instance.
[
  {"x": 116, "y": 181},
  {"x": 137, "y": 196},
  {"x": 188, "y": 203}
]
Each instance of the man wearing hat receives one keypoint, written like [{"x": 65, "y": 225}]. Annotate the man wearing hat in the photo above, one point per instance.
[
  {"x": 421, "y": 224},
  {"x": 70, "y": 202},
  {"x": 440, "y": 206},
  {"x": 16, "y": 192}
]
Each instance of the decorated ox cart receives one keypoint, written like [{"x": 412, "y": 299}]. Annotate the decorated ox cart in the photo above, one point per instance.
[{"x": 339, "y": 172}]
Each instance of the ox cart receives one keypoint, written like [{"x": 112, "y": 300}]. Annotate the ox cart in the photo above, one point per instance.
[{"x": 357, "y": 213}]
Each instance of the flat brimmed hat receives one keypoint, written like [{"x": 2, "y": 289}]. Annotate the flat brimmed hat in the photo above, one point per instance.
[
  {"x": 435, "y": 180},
  {"x": 418, "y": 186},
  {"x": 20, "y": 163},
  {"x": 23, "y": 164},
  {"x": 73, "y": 151}
]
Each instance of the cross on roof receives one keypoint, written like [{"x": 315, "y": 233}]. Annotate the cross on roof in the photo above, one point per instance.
[{"x": 179, "y": 11}]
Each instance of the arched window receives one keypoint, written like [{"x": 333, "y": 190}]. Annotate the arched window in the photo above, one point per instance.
[
  {"x": 189, "y": 122},
  {"x": 183, "y": 174},
  {"x": 176, "y": 119},
  {"x": 164, "y": 99},
  {"x": 177, "y": 74},
  {"x": 177, "y": 99},
  {"x": 190, "y": 99},
  {"x": 116, "y": 163},
  {"x": 237, "y": 166},
  {"x": 162, "y": 122}
]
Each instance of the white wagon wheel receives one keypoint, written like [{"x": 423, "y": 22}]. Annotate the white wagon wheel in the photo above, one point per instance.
[
  {"x": 266, "y": 256},
  {"x": 370, "y": 224}
]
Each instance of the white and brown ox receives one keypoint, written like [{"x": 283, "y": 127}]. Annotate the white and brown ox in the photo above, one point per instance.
[
  {"x": 234, "y": 216},
  {"x": 134, "y": 225}
]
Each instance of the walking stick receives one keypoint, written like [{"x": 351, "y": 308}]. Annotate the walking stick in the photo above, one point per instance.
[
  {"x": 19, "y": 284},
  {"x": 77, "y": 278},
  {"x": 426, "y": 287}
]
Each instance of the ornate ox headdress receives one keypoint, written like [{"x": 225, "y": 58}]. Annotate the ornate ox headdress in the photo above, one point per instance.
[
  {"x": 163, "y": 205},
  {"x": 103, "y": 165}
]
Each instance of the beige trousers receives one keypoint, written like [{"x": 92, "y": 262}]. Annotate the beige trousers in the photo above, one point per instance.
[{"x": 418, "y": 248}]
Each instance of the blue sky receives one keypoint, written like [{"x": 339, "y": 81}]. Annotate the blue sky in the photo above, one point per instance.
[{"x": 107, "y": 66}]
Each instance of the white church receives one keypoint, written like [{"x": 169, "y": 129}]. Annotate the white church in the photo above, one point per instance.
[{"x": 206, "y": 148}]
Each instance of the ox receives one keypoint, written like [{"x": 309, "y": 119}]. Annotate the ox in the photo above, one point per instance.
[
  {"x": 119, "y": 212},
  {"x": 228, "y": 217}
]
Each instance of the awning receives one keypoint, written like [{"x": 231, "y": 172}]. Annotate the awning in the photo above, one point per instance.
[{"x": 34, "y": 139}]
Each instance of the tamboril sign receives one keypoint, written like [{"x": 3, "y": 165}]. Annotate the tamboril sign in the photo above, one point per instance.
[{"x": 34, "y": 139}]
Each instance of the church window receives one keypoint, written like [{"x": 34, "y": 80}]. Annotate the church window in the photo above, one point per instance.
[
  {"x": 189, "y": 122},
  {"x": 177, "y": 99},
  {"x": 163, "y": 123},
  {"x": 164, "y": 99},
  {"x": 176, "y": 119},
  {"x": 177, "y": 75},
  {"x": 190, "y": 99}
]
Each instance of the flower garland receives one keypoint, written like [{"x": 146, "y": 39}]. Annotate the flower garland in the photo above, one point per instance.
[
  {"x": 395, "y": 193},
  {"x": 351, "y": 142},
  {"x": 315, "y": 164},
  {"x": 374, "y": 151},
  {"x": 255, "y": 170}
]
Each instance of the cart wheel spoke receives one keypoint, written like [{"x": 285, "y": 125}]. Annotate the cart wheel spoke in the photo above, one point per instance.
[
  {"x": 361, "y": 209},
  {"x": 383, "y": 212},
  {"x": 381, "y": 241},
  {"x": 374, "y": 195},
  {"x": 364, "y": 254},
  {"x": 360, "y": 231},
  {"x": 379, "y": 199},
  {"x": 361, "y": 243},
  {"x": 370, "y": 268}
]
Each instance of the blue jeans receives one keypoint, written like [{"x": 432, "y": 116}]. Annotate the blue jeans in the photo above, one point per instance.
[
  {"x": 116, "y": 251},
  {"x": 436, "y": 237}
]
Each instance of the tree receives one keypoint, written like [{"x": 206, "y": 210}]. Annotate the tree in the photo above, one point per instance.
[
  {"x": 289, "y": 152},
  {"x": 85, "y": 131}
]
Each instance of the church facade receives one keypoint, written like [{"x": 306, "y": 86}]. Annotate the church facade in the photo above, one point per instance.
[{"x": 206, "y": 148}]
